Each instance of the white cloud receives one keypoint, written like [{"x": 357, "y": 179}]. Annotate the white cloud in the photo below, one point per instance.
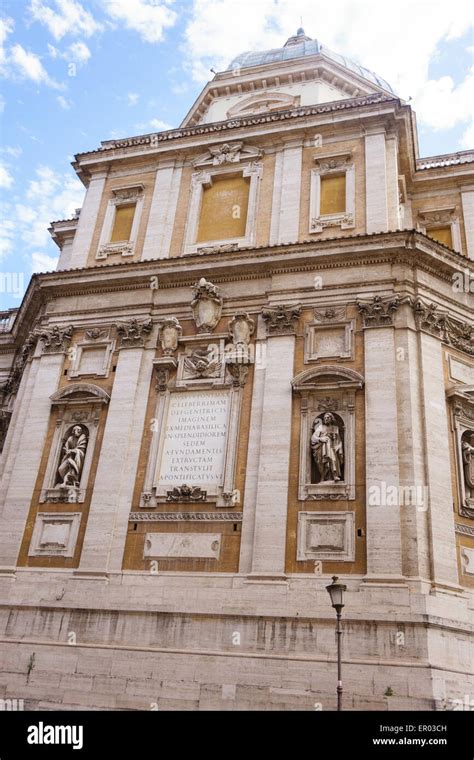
[
  {"x": 65, "y": 104},
  {"x": 155, "y": 124},
  {"x": 147, "y": 17},
  {"x": 6, "y": 28},
  {"x": 41, "y": 262},
  {"x": 7, "y": 235},
  {"x": 467, "y": 140},
  {"x": 50, "y": 195},
  {"x": 11, "y": 150},
  {"x": 180, "y": 89},
  {"x": 396, "y": 40},
  {"x": 66, "y": 17},
  {"x": 27, "y": 65},
  {"x": 77, "y": 52},
  {"x": 133, "y": 98},
  {"x": 6, "y": 179},
  {"x": 24, "y": 222},
  {"x": 457, "y": 102}
]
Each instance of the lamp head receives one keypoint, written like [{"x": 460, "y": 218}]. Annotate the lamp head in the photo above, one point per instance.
[{"x": 336, "y": 592}]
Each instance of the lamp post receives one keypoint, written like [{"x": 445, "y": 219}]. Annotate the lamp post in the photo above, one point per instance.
[{"x": 336, "y": 592}]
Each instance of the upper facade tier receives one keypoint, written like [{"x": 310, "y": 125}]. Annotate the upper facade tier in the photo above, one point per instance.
[
  {"x": 302, "y": 72},
  {"x": 290, "y": 145}
]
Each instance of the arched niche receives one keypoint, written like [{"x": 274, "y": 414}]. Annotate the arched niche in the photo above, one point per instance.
[
  {"x": 327, "y": 446},
  {"x": 78, "y": 407}
]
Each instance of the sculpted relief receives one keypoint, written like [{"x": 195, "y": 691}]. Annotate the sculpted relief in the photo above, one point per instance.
[
  {"x": 467, "y": 448},
  {"x": 73, "y": 453},
  {"x": 327, "y": 448}
]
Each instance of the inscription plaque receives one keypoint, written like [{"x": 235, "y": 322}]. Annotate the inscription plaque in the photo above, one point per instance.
[{"x": 194, "y": 439}]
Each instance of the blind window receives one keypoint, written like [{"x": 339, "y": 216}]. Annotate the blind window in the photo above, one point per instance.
[
  {"x": 333, "y": 195},
  {"x": 123, "y": 223}
]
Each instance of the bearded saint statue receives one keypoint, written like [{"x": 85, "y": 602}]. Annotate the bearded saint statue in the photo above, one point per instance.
[
  {"x": 327, "y": 448},
  {"x": 72, "y": 458}
]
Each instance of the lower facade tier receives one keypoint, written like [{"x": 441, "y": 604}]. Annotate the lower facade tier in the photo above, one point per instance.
[{"x": 135, "y": 641}]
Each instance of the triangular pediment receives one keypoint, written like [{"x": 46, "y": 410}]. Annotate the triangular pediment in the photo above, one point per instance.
[{"x": 282, "y": 85}]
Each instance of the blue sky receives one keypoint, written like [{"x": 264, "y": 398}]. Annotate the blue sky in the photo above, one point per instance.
[{"x": 75, "y": 72}]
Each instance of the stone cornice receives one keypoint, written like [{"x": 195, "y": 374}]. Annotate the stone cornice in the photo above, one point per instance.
[
  {"x": 245, "y": 264},
  {"x": 152, "y": 140}
]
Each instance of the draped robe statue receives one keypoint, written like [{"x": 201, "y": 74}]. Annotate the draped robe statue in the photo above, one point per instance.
[
  {"x": 327, "y": 448},
  {"x": 72, "y": 458},
  {"x": 468, "y": 462}
]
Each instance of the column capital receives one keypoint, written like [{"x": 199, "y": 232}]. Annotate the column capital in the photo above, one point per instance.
[
  {"x": 280, "y": 319},
  {"x": 133, "y": 333}
]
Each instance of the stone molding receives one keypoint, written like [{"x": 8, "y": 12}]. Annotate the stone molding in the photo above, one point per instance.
[{"x": 185, "y": 517}]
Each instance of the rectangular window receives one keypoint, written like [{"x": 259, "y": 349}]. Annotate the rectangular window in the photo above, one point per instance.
[
  {"x": 333, "y": 195},
  {"x": 123, "y": 222},
  {"x": 224, "y": 209},
  {"x": 442, "y": 235}
]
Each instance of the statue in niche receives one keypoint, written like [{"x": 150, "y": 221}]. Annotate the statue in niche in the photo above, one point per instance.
[
  {"x": 467, "y": 448},
  {"x": 73, "y": 454},
  {"x": 328, "y": 448}
]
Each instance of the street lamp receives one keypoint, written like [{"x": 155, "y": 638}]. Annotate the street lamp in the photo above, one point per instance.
[{"x": 336, "y": 592}]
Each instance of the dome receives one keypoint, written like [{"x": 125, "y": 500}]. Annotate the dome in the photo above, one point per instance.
[{"x": 301, "y": 46}]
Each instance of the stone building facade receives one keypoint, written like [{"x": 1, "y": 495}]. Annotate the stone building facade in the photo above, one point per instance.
[{"x": 252, "y": 370}]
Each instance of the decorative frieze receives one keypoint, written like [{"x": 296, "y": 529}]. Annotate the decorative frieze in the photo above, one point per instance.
[
  {"x": 132, "y": 334},
  {"x": 281, "y": 320},
  {"x": 96, "y": 333},
  {"x": 464, "y": 530},
  {"x": 185, "y": 517},
  {"x": 379, "y": 312},
  {"x": 221, "y": 248},
  {"x": 228, "y": 153},
  {"x": 330, "y": 314},
  {"x": 206, "y": 305},
  {"x": 442, "y": 325},
  {"x": 186, "y": 493},
  {"x": 108, "y": 249}
]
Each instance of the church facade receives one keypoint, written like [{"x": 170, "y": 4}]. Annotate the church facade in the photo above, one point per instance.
[{"x": 252, "y": 370}]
